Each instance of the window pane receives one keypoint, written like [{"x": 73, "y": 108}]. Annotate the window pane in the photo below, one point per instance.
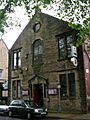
[
  {"x": 37, "y": 52},
  {"x": 69, "y": 44},
  {"x": 63, "y": 83},
  {"x": 14, "y": 89},
  {"x": 1, "y": 72},
  {"x": 61, "y": 43},
  {"x": 62, "y": 53},
  {"x": 40, "y": 49},
  {"x": 18, "y": 89},
  {"x": 19, "y": 63},
  {"x": 71, "y": 80},
  {"x": 15, "y": 60},
  {"x": 64, "y": 46},
  {"x": 19, "y": 59}
]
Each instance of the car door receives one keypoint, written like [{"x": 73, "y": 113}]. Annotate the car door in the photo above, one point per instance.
[
  {"x": 22, "y": 108},
  {"x": 14, "y": 108}
]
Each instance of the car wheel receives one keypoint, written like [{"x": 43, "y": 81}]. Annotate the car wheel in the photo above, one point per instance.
[
  {"x": 10, "y": 113},
  {"x": 28, "y": 115}
]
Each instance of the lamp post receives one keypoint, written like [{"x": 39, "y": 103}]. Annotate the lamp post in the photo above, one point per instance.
[{"x": 59, "y": 108}]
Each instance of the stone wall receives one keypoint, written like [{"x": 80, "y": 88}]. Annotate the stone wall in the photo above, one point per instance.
[{"x": 51, "y": 67}]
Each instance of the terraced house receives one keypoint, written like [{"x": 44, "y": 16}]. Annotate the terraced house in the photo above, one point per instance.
[
  {"x": 45, "y": 66},
  {"x": 3, "y": 72}
]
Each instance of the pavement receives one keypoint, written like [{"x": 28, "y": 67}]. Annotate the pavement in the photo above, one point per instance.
[{"x": 69, "y": 116}]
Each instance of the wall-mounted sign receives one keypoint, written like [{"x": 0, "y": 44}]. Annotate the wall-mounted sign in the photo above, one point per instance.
[
  {"x": 74, "y": 61},
  {"x": 24, "y": 92},
  {"x": 87, "y": 70},
  {"x": 5, "y": 93},
  {"x": 5, "y": 85},
  {"x": 73, "y": 51},
  {"x": 52, "y": 91}
]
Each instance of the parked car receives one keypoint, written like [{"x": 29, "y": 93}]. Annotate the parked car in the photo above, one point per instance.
[
  {"x": 3, "y": 109},
  {"x": 26, "y": 108}
]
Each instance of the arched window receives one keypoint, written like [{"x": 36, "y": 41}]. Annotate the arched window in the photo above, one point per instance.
[{"x": 37, "y": 52}]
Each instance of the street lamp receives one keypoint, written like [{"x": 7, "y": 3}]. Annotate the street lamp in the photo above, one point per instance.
[{"x": 59, "y": 108}]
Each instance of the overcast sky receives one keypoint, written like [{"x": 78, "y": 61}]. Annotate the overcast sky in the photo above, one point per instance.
[{"x": 12, "y": 34}]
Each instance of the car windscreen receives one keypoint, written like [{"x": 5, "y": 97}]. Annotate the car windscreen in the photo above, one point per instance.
[{"x": 30, "y": 104}]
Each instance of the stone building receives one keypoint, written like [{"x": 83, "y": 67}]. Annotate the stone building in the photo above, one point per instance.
[
  {"x": 46, "y": 67},
  {"x": 3, "y": 71}
]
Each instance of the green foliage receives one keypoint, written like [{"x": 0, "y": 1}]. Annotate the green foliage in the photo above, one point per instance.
[
  {"x": 87, "y": 27},
  {"x": 45, "y": 1},
  {"x": 83, "y": 31}
]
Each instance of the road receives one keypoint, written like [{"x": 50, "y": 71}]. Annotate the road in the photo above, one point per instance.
[{"x": 15, "y": 118}]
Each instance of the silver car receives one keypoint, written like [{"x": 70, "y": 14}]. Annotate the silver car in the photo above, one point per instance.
[{"x": 3, "y": 109}]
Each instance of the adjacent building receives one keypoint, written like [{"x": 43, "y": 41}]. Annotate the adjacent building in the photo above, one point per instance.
[
  {"x": 86, "y": 57},
  {"x": 3, "y": 71},
  {"x": 45, "y": 66}
]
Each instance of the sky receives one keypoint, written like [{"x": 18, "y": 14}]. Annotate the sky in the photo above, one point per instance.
[{"x": 12, "y": 34}]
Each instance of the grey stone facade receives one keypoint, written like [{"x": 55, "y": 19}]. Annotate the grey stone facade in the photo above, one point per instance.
[{"x": 47, "y": 73}]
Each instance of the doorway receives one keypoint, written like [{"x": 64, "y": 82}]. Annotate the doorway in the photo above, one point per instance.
[{"x": 38, "y": 94}]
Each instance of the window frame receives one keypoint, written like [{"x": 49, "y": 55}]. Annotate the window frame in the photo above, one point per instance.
[
  {"x": 63, "y": 95},
  {"x": 37, "y": 47},
  {"x": 16, "y": 59},
  {"x": 1, "y": 73},
  {"x": 71, "y": 84},
  {"x": 69, "y": 95},
  {"x": 16, "y": 88},
  {"x": 65, "y": 36}
]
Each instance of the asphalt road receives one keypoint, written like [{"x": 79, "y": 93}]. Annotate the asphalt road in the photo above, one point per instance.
[{"x": 15, "y": 118}]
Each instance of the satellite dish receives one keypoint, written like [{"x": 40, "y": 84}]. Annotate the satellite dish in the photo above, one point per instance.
[{"x": 74, "y": 61}]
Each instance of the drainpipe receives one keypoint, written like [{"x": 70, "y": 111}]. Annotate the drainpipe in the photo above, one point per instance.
[
  {"x": 82, "y": 83},
  {"x": 59, "y": 107}
]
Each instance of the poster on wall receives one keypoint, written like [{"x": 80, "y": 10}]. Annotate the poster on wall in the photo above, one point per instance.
[
  {"x": 52, "y": 91},
  {"x": 5, "y": 93},
  {"x": 24, "y": 92}
]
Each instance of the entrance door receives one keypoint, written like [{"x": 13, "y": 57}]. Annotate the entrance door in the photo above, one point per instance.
[{"x": 38, "y": 94}]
